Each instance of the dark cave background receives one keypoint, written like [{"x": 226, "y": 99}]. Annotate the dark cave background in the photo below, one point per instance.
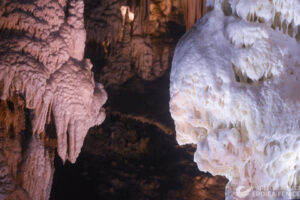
[{"x": 125, "y": 158}]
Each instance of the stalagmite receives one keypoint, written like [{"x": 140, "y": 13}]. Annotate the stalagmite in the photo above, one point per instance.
[
  {"x": 37, "y": 170},
  {"x": 235, "y": 93}
]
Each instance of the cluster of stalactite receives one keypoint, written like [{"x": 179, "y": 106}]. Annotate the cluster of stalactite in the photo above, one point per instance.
[{"x": 136, "y": 37}]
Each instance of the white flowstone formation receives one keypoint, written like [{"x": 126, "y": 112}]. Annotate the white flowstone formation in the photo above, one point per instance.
[
  {"x": 235, "y": 93},
  {"x": 42, "y": 58}
]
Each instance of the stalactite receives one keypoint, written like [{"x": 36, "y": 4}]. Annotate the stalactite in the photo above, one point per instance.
[
  {"x": 193, "y": 10},
  {"x": 141, "y": 9},
  {"x": 144, "y": 10}
]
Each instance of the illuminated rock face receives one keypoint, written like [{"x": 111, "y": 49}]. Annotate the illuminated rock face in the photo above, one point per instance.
[
  {"x": 235, "y": 93},
  {"x": 41, "y": 62},
  {"x": 42, "y": 59}
]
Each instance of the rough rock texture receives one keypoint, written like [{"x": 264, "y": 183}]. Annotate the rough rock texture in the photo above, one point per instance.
[
  {"x": 26, "y": 161},
  {"x": 41, "y": 60},
  {"x": 234, "y": 92},
  {"x": 12, "y": 127}
]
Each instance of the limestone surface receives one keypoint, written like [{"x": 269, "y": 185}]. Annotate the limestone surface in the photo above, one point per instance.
[
  {"x": 235, "y": 93},
  {"x": 41, "y": 58}
]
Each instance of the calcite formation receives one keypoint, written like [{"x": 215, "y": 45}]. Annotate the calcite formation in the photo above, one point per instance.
[
  {"x": 235, "y": 93},
  {"x": 42, "y": 63},
  {"x": 41, "y": 58}
]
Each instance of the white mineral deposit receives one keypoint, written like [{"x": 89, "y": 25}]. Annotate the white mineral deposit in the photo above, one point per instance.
[{"x": 235, "y": 93}]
